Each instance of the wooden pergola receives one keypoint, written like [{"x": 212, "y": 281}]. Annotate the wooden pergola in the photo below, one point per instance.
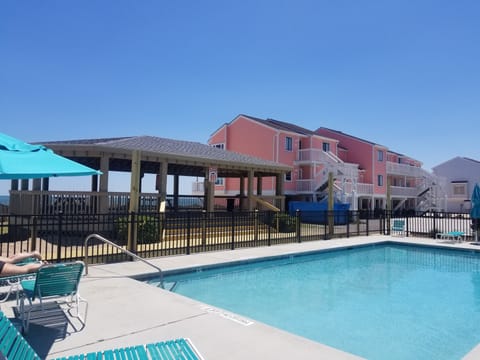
[{"x": 141, "y": 155}]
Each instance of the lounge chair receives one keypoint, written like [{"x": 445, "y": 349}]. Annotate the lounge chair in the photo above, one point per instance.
[
  {"x": 398, "y": 227},
  {"x": 457, "y": 236},
  {"x": 13, "y": 346},
  {"x": 54, "y": 282}
]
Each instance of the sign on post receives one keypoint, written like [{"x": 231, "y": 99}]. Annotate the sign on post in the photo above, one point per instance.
[{"x": 212, "y": 174}]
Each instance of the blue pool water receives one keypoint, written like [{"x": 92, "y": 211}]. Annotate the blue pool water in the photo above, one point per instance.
[{"x": 379, "y": 302}]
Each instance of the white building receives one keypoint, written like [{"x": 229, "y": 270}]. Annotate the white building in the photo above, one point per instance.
[{"x": 461, "y": 174}]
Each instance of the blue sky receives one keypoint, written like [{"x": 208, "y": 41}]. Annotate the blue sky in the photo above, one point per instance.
[{"x": 404, "y": 74}]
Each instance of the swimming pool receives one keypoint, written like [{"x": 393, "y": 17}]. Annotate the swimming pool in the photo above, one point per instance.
[{"x": 385, "y": 301}]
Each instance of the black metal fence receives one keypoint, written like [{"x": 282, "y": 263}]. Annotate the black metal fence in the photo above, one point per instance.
[{"x": 61, "y": 237}]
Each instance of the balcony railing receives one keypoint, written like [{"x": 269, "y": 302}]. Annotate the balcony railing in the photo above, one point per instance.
[
  {"x": 310, "y": 185},
  {"x": 363, "y": 189},
  {"x": 394, "y": 168},
  {"x": 404, "y": 191},
  {"x": 84, "y": 203}
]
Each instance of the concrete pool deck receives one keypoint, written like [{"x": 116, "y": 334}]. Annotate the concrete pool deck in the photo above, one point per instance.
[{"x": 123, "y": 311}]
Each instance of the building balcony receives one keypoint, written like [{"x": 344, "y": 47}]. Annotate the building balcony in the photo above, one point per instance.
[
  {"x": 308, "y": 186},
  {"x": 394, "y": 168},
  {"x": 401, "y": 191},
  {"x": 330, "y": 161}
]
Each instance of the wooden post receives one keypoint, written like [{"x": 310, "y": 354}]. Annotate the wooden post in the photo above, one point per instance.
[
  {"x": 279, "y": 189},
  {"x": 161, "y": 185},
  {"x": 104, "y": 168},
  {"x": 134, "y": 197},
  {"x": 209, "y": 191},
  {"x": 250, "y": 191}
]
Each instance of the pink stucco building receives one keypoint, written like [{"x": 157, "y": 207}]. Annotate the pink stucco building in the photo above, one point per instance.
[{"x": 366, "y": 174}]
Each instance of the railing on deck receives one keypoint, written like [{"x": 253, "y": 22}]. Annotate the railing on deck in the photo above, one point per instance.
[{"x": 81, "y": 203}]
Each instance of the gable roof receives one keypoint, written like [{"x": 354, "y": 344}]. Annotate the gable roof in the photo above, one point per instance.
[
  {"x": 282, "y": 125},
  {"x": 350, "y": 136},
  {"x": 457, "y": 159},
  {"x": 192, "y": 157}
]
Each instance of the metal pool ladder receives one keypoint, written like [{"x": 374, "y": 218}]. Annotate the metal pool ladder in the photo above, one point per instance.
[{"x": 106, "y": 241}]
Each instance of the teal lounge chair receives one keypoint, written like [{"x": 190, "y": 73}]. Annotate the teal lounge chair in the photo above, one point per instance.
[
  {"x": 457, "y": 236},
  {"x": 13, "y": 346},
  {"x": 398, "y": 227},
  {"x": 54, "y": 282}
]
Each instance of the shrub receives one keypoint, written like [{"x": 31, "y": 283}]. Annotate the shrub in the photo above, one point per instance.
[
  {"x": 285, "y": 222},
  {"x": 148, "y": 229}
]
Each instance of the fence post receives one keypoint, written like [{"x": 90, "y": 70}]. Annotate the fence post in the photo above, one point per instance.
[
  {"x": 388, "y": 221},
  {"x": 348, "y": 223},
  {"x": 132, "y": 234},
  {"x": 204, "y": 229},
  {"x": 367, "y": 223},
  {"x": 34, "y": 234},
  {"x": 297, "y": 225},
  {"x": 325, "y": 225},
  {"x": 189, "y": 226},
  {"x": 232, "y": 245},
  {"x": 358, "y": 221},
  {"x": 255, "y": 225},
  {"x": 270, "y": 215},
  {"x": 161, "y": 226},
  {"x": 406, "y": 224},
  {"x": 59, "y": 241}
]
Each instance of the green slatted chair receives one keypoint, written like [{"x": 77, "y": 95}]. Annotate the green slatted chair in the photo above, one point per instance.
[
  {"x": 13, "y": 346},
  {"x": 398, "y": 227},
  {"x": 54, "y": 282}
]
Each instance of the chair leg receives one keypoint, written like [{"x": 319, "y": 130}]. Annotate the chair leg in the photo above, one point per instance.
[
  {"x": 25, "y": 317},
  {"x": 74, "y": 309}
]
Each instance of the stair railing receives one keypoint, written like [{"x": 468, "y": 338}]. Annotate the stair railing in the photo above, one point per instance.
[{"x": 135, "y": 256}]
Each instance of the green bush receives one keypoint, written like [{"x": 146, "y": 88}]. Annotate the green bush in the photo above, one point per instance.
[
  {"x": 285, "y": 222},
  {"x": 147, "y": 227}
]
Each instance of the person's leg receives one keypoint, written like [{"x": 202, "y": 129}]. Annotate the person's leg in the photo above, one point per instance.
[
  {"x": 12, "y": 269},
  {"x": 22, "y": 256}
]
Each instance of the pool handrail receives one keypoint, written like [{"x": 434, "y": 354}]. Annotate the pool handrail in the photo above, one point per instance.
[{"x": 135, "y": 256}]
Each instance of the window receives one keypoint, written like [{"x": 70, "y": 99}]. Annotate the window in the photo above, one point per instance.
[
  {"x": 219, "y": 146},
  {"x": 288, "y": 143},
  {"x": 379, "y": 155},
  {"x": 219, "y": 181},
  {"x": 288, "y": 176},
  {"x": 326, "y": 146},
  {"x": 380, "y": 180},
  {"x": 459, "y": 189}
]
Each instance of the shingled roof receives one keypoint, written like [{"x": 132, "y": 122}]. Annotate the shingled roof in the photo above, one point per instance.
[
  {"x": 282, "y": 125},
  {"x": 189, "y": 158}
]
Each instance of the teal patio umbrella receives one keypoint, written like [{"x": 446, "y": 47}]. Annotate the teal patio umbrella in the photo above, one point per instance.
[
  {"x": 475, "y": 210},
  {"x": 20, "y": 160}
]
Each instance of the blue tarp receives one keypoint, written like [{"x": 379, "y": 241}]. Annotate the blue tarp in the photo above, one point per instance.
[{"x": 316, "y": 212}]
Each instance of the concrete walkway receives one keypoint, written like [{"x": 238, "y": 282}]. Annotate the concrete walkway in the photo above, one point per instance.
[{"x": 123, "y": 311}]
